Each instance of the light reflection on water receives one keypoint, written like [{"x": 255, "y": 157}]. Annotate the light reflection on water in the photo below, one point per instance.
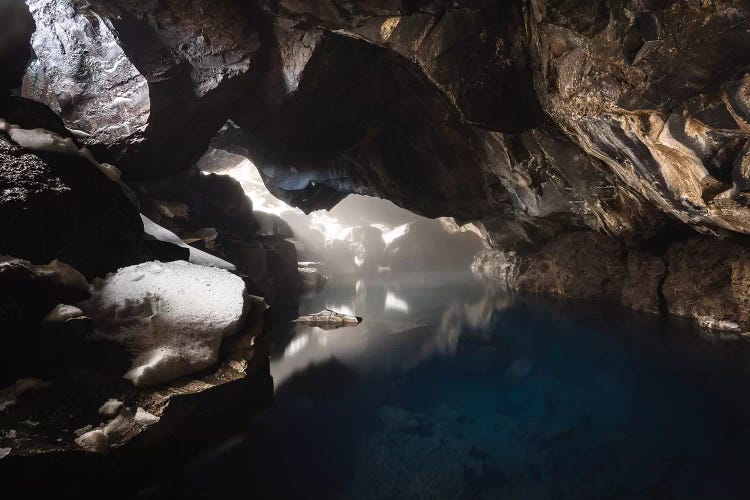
[
  {"x": 466, "y": 390},
  {"x": 400, "y": 317}
]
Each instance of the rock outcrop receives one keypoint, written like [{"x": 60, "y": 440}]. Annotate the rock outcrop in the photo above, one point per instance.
[
  {"x": 57, "y": 203},
  {"x": 138, "y": 79}
]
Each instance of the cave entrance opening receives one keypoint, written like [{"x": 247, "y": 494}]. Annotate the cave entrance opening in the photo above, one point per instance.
[{"x": 361, "y": 235}]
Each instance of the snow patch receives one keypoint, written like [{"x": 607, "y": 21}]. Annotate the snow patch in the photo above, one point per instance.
[
  {"x": 171, "y": 315},
  {"x": 196, "y": 256}
]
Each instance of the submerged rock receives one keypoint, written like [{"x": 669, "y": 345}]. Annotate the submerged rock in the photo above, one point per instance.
[
  {"x": 329, "y": 320},
  {"x": 172, "y": 316}
]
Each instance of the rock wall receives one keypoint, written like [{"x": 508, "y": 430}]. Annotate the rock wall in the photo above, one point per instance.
[{"x": 699, "y": 278}]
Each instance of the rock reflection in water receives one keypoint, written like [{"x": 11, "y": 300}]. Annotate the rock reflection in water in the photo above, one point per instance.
[{"x": 402, "y": 325}]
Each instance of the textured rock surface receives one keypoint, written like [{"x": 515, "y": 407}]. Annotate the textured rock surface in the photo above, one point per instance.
[
  {"x": 118, "y": 72},
  {"x": 60, "y": 205},
  {"x": 710, "y": 280}
]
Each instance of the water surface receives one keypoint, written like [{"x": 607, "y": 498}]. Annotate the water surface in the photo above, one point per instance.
[{"x": 453, "y": 388}]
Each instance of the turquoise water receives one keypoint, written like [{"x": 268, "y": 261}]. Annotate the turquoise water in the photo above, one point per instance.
[{"x": 452, "y": 388}]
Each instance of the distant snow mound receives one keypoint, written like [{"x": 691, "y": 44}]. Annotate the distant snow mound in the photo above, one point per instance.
[{"x": 171, "y": 315}]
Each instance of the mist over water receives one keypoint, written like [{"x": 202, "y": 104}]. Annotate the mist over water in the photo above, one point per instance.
[
  {"x": 455, "y": 388},
  {"x": 360, "y": 234}
]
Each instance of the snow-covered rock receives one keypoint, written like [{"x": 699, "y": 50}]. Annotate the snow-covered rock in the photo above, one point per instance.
[
  {"x": 172, "y": 316},
  {"x": 197, "y": 256}
]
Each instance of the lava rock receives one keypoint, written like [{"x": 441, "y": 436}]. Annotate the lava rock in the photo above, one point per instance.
[{"x": 60, "y": 206}]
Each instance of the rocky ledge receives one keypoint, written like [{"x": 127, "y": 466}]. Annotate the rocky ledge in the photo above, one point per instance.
[{"x": 698, "y": 277}]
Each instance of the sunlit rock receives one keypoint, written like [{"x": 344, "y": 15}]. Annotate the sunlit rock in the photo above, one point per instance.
[
  {"x": 329, "y": 319},
  {"x": 145, "y": 59},
  {"x": 71, "y": 43},
  {"x": 427, "y": 245},
  {"x": 313, "y": 277}
]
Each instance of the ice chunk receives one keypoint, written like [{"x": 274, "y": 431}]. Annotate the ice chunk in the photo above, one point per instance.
[
  {"x": 196, "y": 256},
  {"x": 171, "y": 315}
]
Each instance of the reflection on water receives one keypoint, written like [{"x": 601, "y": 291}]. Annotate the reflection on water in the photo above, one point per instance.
[
  {"x": 401, "y": 316},
  {"x": 453, "y": 388}
]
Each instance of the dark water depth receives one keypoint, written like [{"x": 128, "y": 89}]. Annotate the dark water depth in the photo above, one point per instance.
[{"x": 452, "y": 388}]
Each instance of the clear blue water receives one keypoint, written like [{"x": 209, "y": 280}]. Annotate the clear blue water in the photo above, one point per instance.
[{"x": 452, "y": 388}]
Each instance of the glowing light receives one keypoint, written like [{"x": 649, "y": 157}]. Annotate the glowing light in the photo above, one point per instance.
[
  {"x": 395, "y": 303},
  {"x": 248, "y": 176},
  {"x": 296, "y": 346},
  {"x": 343, "y": 309},
  {"x": 396, "y": 232}
]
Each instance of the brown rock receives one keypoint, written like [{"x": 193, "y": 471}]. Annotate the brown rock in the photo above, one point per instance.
[
  {"x": 580, "y": 265},
  {"x": 641, "y": 287},
  {"x": 709, "y": 278}
]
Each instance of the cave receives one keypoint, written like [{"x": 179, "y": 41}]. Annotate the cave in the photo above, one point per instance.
[{"x": 385, "y": 249}]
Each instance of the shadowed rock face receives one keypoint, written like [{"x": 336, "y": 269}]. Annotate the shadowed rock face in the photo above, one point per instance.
[{"x": 16, "y": 25}]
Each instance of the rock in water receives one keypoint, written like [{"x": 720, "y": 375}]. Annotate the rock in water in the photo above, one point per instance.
[
  {"x": 172, "y": 316},
  {"x": 329, "y": 320}
]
